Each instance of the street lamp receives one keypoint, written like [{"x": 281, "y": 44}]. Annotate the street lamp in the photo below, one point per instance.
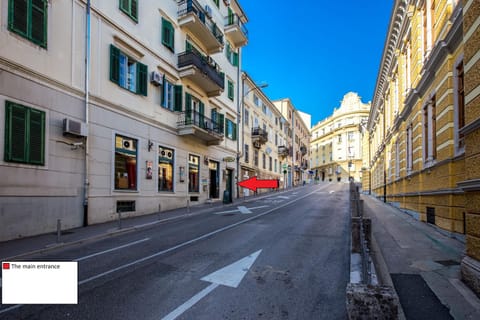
[{"x": 240, "y": 114}]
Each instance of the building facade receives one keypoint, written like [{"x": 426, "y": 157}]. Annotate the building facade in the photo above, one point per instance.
[
  {"x": 298, "y": 171},
  {"x": 265, "y": 139},
  {"x": 471, "y": 132},
  {"x": 336, "y": 142},
  {"x": 115, "y": 107}
]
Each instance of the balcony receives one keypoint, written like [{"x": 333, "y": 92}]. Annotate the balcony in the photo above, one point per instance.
[
  {"x": 236, "y": 31},
  {"x": 303, "y": 150},
  {"x": 192, "y": 123},
  {"x": 202, "y": 71},
  {"x": 283, "y": 151},
  {"x": 198, "y": 21},
  {"x": 259, "y": 137}
]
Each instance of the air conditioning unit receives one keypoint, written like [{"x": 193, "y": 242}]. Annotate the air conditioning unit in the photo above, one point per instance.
[
  {"x": 156, "y": 78},
  {"x": 208, "y": 11},
  {"x": 74, "y": 128},
  {"x": 128, "y": 144}
]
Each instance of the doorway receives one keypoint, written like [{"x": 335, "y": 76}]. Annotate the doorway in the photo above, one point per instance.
[{"x": 214, "y": 180}]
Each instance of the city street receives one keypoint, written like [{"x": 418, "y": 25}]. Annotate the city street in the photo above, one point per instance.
[{"x": 284, "y": 256}]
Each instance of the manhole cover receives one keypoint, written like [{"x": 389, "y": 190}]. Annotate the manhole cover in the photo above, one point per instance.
[{"x": 447, "y": 263}]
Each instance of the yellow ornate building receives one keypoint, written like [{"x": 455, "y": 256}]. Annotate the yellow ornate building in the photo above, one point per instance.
[
  {"x": 336, "y": 142},
  {"x": 423, "y": 125}
]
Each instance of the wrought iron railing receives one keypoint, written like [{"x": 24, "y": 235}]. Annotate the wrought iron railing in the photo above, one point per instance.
[
  {"x": 191, "y": 6},
  {"x": 234, "y": 19},
  {"x": 260, "y": 133},
  {"x": 194, "y": 118},
  {"x": 205, "y": 64}
]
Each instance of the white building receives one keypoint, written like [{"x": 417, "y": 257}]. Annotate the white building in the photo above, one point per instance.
[{"x": 155, "y": 129}]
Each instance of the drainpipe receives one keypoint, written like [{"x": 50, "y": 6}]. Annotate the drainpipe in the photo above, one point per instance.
[
  {"x": 384, "y": 153},
  {"x": 239, "y": 116},
  {"x": 87, "y": 85}
]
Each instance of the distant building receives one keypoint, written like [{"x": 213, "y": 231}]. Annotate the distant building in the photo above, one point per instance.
[
  {"x": 264, "y": 137},
  {"x": 299, "y": 133},
  {"x": 336, "y": 142}
]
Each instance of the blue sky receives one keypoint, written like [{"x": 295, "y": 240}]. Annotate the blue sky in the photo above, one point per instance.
[{"x": 314, "y": 52}]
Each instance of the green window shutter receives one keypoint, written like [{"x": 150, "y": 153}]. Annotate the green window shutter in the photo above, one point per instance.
[
  {"x": 168, "y": 34},
  {"x": 124, "y": 5},
  {"x": 230, "y": 16},
  {"x": 230, "y": 90},
  {"x": 227, "y": 51},
  {"x": 235, "y": 59},
  {"x": 36, "y": 143},
  {"x": 114, "y": 64},
  {"x": 17, "y": 16},
  {"x": 188, "y": 46},
  {"x": 39, "y": 22},
  {"x": 134, "y": 9},
  {"x": 178, "y": 98},
  {"x": 15, "y": 132},
  {"x": 162, "y": 93},
  {"x": 188, "y": 108},
  {"x": 142, "y": 76},
  {"x": 201, "y": 114}
]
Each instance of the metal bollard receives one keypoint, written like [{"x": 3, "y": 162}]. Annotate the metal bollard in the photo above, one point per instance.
[
  {"x": 188, "y": 205},
  {"x": 159, "y": 210},
  {"x": 59, "y": 229}
]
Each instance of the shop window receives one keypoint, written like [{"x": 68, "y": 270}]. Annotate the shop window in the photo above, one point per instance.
[
  {"x": 165, "y": 169},
  {"x": 193, "y": 173},
  {"x": 125, "y": 163}
]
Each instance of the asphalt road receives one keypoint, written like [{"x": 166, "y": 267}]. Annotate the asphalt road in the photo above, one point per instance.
[{"x": 286, "y": 257}]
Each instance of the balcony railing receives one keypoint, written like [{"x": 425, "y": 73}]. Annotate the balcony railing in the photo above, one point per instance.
[
  {"x": 206, "y": 66},
  {"x": 258, "y": 134},
  {"x": 204, "y": 15},
  {"x": 191, "y": 122},
  {"x": 235, "y": 29},
  {"x": 303, "y": 150}
]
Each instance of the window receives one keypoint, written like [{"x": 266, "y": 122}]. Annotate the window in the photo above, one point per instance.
[
  {"x": 165, "y": 169},
  {"x": 429, "y": 131},
  {"x": 171, "y": 96},
  {"x": 245, "y": 117},
  {"x": 24, "y": 134},
  {"x": 460, "y": 106},
  {"x": 409, "y": 148},
  {"x": 351, "y": 136},
  {"x": 125, "y": 163},
  {"x": 230, "y": 90},
  {"x": 193, "y": 173},
  {"x": 264, "y": 161},
  {"x": 128, "y": 73},
  {"x": 256, "y": 101},
  {"x": 232, "y": 56},
  {"x": 168, "y": 34},
  {"x": 231, "y": 129},
  {"x": 255, "y": 158},
  {"x": 28, "y": 18},
  {"x": 339, "y": 138},
  {"x": 275, "y": 165},
  {"x": 270, "y": 163},
  {"x": 247, "y": 154},
  {"x": 397, "y": 159},
  {"x": 130, "y": 8}
]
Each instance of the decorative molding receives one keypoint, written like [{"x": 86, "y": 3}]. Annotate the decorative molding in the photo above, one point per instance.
[{"x": 469, "y": 185}]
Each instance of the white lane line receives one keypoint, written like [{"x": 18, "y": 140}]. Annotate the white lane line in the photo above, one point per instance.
[
  {"x": 181, "y": 245},
  {"x": 11, "y": 308},
  {"x": 243, "y": 210},
  {"x": 189, "y": 303},
  {"x": 110, "y": 250}
]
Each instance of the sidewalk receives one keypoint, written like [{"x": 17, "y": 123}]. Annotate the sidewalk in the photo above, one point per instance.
[{"x": 422, "y": 263}]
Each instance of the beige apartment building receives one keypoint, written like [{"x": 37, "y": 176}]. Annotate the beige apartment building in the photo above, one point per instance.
[
  {"x": 423, "y": 125},
  {"x": 298, "y": 170},
  {"x": 336, "y": 142},
  {"x": 265, "y": 139},
  {"x": 115, "y": 107}
]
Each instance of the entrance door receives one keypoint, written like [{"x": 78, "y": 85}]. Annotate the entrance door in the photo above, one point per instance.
[{"x": 214, "y": 180}]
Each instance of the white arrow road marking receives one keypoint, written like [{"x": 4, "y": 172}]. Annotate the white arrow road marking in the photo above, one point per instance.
[
  {"x": 332, "y": 191},
  {"x": 229, "y": 276},
  {"x": 241, "y": 209}
]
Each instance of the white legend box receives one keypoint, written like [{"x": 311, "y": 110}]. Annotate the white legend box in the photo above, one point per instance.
[{"x": 39, "y": 282}]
